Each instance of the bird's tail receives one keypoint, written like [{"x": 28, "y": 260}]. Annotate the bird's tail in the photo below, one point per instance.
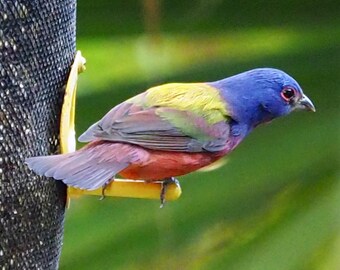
[{"x": 88, "y": 168}]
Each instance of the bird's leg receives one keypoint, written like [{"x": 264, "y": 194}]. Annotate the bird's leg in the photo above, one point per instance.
[
  {"x": 165, "y": 183},
  {"x": 103, "y": 192},
  {"x": 104, "y": 188}
]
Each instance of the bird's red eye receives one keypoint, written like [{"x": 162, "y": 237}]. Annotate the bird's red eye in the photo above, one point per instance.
[{"x": 288, "y": 93}]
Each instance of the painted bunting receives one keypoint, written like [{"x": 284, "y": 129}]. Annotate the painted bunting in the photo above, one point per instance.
[{"x": 174, "y": 129}]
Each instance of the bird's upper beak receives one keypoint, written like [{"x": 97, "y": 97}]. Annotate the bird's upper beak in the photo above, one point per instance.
[{"x": 304, "y": 103}]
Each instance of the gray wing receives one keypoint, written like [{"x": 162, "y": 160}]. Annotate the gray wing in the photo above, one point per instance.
[{"x": 158, "y": 129}]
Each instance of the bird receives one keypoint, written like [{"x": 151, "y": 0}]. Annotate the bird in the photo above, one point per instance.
[{"x": 174, "y": 129}]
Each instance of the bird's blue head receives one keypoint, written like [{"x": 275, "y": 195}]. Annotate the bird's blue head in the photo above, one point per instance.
[{"x": 260, "y": 95}]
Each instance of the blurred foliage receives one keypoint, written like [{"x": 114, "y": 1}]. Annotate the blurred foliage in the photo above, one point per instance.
[{"x": 275, "y": 204}]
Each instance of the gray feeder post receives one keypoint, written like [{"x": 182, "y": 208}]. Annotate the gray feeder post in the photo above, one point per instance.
[{"x": 37, "y": 46}]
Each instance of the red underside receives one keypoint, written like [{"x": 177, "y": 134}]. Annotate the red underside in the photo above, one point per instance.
[{"x": 162, "y": 165}]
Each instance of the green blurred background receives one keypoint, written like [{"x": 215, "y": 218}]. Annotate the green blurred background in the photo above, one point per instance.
[{"x": 275, "y": 204}]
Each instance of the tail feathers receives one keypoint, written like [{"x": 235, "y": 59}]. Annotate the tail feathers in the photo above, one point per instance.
[{"x": 80, "y": 169}]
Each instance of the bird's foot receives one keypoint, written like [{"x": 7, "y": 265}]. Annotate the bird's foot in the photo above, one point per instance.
[
  {"x": 103, "y": 189},
  {"x": 165, "y": 183}
]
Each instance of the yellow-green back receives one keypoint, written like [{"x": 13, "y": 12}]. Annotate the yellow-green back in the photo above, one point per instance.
[{"x": 200, "y": 98}]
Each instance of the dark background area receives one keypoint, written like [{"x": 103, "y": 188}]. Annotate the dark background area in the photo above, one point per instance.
[{"x": 274, "y": 205}]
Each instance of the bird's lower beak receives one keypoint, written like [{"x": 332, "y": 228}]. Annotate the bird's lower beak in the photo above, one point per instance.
[{"x": 304, "y": 103}]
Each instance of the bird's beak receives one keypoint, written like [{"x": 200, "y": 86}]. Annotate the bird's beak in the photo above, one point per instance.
[{"x": 304, "y": 103}]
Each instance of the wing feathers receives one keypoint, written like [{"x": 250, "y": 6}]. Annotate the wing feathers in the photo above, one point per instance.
[{"x": 155, "y": 126}]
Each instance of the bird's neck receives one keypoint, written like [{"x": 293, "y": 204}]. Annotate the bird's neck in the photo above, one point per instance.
[{"x": 243, "y": 106}]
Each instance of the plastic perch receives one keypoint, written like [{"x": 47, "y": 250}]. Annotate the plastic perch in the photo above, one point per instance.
[{"x": 118, "y": 187}]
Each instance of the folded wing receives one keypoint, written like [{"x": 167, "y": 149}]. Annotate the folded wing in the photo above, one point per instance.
[{"x": 165, "y": 128}]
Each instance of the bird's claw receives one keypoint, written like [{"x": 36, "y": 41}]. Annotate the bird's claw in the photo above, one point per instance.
[
  {"x": 165, "y": 183},
  {"x": 103, "y": 190},
  {"x": 103, "y": 193}
]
